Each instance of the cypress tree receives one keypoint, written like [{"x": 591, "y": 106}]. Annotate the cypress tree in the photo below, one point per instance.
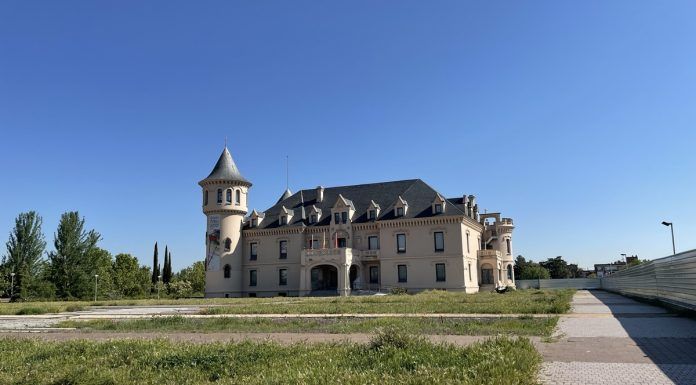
[
  {"x": 167, "y": 271},
  {"x": 155, "y": 266}
]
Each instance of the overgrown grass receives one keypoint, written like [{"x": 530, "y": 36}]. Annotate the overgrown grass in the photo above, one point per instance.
[
  {"x": 522, "y": 326},
  {"x": 435, "y": 301},
  {"x": 391, "y": 358},
  {"x": 521, "y": 301}
]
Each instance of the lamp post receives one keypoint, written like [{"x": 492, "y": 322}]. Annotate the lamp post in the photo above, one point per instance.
[
  {"x": 96, "y": 279},
  {"x": 671, "y": 227},
  {"x": 12, "y": 285},
  {"x": 158, "y": 286}
]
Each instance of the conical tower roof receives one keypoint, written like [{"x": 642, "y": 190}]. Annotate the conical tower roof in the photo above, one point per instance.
[
  {"x": 226, "y": 169},
  {"x": 287, "y": 194}
]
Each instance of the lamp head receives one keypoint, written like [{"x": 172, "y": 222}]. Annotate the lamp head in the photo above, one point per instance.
[{"x": 667, "y": 223}]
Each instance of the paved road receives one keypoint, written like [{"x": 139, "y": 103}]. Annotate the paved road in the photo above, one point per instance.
[{"x": 611, "y": 339}]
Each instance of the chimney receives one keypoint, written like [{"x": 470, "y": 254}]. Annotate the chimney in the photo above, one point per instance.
[
  {"x": 470, "y": 206},
  {"x": 320, "y": 194}
]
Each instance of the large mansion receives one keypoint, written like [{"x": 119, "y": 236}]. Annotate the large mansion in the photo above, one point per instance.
[{"x": 335, "y": 240}]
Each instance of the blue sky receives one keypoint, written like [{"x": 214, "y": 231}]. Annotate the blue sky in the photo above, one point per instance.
[{"x": 576, "y": 119}]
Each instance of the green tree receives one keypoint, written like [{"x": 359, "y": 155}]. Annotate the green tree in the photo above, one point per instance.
[
  {"x": 195, "y": 274},
  {"x": 24, "y": 255},
  {"x": 167, "y": 270},
  {"x": 72, "y": 266},
  {"x": 155, "y": 267},
  {"x": 520, "y": 263},
  {"x": 534, "y": 271},
  {"x": 557, "y": 267},
  {"x": 128, "y": 277},
  {"x": 102, "y": 265},
  {"x": 145, "y": 279}
]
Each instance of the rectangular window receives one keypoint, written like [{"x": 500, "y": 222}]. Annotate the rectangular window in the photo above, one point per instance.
[
  {"x": 315, "y": 244},
  {"x": 254, "y": 222},
  {"x": 283, "y": 277},
  {"x": 341, "y": 242},
  {"x": 439, "y": 241},
  {"x": 507, "y": 242},
  {"x": 403, "y": 274},
  {"x": 283, "y": 249},
  {"x": 469, "y": 272},
  {"x": 337, "y": 218},
  {"x": 467, "y": 242},
  {"x": 372, "y": 214},
  {"x": 205, "y": 198},
  {"x": 228, "y": 196},
  {"x": 344, "y": 217},
  {"x": 399, "y": 211},
  {"x": 219, "y": 196},
  {"x": 438, "y": 208},
  {"x": 373, "y": 243},
  {"x": 374, "y": 274},
  {"x": 284, "y": 220},
  {"x": 400, "y": 243},
  {"x": 313, "y": 218},
  {"x": 252, "y": 251},
  {"x": 440, "y": 272},
  {"x": 252, "y": 277}
]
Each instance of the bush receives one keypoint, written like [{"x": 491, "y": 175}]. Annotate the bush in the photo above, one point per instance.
[
  {"x": 391, "y": 337},
  {"x": 397, "y": 291}
]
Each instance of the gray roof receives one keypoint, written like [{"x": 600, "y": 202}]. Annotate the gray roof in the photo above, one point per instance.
[
  {"x": 287, "y": 194},
  {"x": 417, "y": 193},
  {"x": 226, "y": 169}
]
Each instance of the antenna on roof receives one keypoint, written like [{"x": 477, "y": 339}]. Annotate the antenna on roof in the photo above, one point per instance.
[
  {"x": 225, "y": 141},
  {"x": 287, "y": 172}
]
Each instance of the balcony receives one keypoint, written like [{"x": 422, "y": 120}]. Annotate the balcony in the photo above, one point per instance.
[
  {"x": 339, "y": 256},
  {"x": 489, "y": 254},
  {"x": 367, "y": 255}
]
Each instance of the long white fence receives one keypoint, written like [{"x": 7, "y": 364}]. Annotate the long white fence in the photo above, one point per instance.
[
  {"x": 567, "y": 283},
  {"x": 671, "y": 280}
]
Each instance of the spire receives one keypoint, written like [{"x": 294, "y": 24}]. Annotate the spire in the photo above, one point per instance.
[
  {"x": 226, "y": 169},
  {"x": 287, "y": 194}
]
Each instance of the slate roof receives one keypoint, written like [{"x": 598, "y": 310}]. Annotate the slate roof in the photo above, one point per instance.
[
  {"x": 417, "y": 193},
  {"x": 226, "y": 169}
]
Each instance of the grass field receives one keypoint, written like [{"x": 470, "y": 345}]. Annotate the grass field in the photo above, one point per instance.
[
  {"x": 521, "y": 301},
  {"x": 521, "y": 326},
  {"x": 516, "y": 302},
  {"x": 391, "y": 358}
]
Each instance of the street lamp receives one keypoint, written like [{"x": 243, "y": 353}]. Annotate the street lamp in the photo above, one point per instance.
[
  {"x": 96, "y": 279},
  {"x": 624, "y": 257},
  {"x": 671, "y": 227},
  {"x": 12, "y": 285},
  {"x": 158, "y": 286}
]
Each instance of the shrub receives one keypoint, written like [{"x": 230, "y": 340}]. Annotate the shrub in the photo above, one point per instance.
[{"x": 397, "y": 291}]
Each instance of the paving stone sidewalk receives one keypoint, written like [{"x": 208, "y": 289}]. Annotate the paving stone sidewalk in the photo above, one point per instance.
[{"x": 611, "y": 339}]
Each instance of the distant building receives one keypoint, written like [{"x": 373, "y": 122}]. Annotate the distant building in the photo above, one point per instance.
[
  {"x": 605, "y": 269},
  {"x": 328, "y": 241}
]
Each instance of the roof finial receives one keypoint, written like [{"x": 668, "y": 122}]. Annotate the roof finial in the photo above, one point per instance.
[{"x": 225, "y": 141}]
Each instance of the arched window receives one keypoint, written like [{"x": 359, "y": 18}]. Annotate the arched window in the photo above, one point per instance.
[
  {"x": 228, "y": 270},
  {"x": 228, "y": 196},
  {"x": 228, "y": 244},
  {"x": 509, "y": 270},
  {"x": 219, "y": 196},
  {"x": 238, "y": 197}
]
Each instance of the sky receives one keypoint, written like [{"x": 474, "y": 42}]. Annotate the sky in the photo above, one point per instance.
[{"x": 576, "y": 119}]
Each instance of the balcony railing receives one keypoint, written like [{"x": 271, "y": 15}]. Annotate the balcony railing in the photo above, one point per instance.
[{"x": 489, "y": 253}]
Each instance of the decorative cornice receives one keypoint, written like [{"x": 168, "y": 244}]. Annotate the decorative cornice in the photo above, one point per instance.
[
  {"x": 207, "y": 182},
  {"x": 225, "y": 211}
]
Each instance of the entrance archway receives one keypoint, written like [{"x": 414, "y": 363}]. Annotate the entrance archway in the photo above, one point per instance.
[
  {"x": 486, "y": 274},
  {"x": 324, "y": 278}
]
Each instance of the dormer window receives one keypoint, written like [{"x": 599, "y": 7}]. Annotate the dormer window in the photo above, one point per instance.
[
  {"x": 344, "y": 217},
  {"x": 400, "y": 207},
  {"x": 371, "y": 214},
  {"x": 438, "y": 204},
  {"x": 254, "y": 222},
  {"x": 337, "y": 218},
  {"x": 283, "y": 219},
  {"x": 313, "y": 218},
  {"x": 372, "y": 211},
  {"x": 285, "y": 216}
]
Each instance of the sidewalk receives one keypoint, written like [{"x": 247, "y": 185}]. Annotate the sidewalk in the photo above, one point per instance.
[{"x": 611, "y": 339}]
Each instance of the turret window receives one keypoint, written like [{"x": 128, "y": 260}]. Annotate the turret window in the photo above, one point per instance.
[
  {"x": 205, "y": 198},
  {"x": 228, "y": 196},
  {"x": 237, "y": 197},
  {"x": 509, "y": 248},
  {"x": 228, "y": 244},
  {"x": 219, "y": 196},
  {"x": 227, "y": 271}
]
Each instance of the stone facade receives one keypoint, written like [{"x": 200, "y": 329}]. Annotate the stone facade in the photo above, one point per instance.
[{"x": 339, "y": 240}]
